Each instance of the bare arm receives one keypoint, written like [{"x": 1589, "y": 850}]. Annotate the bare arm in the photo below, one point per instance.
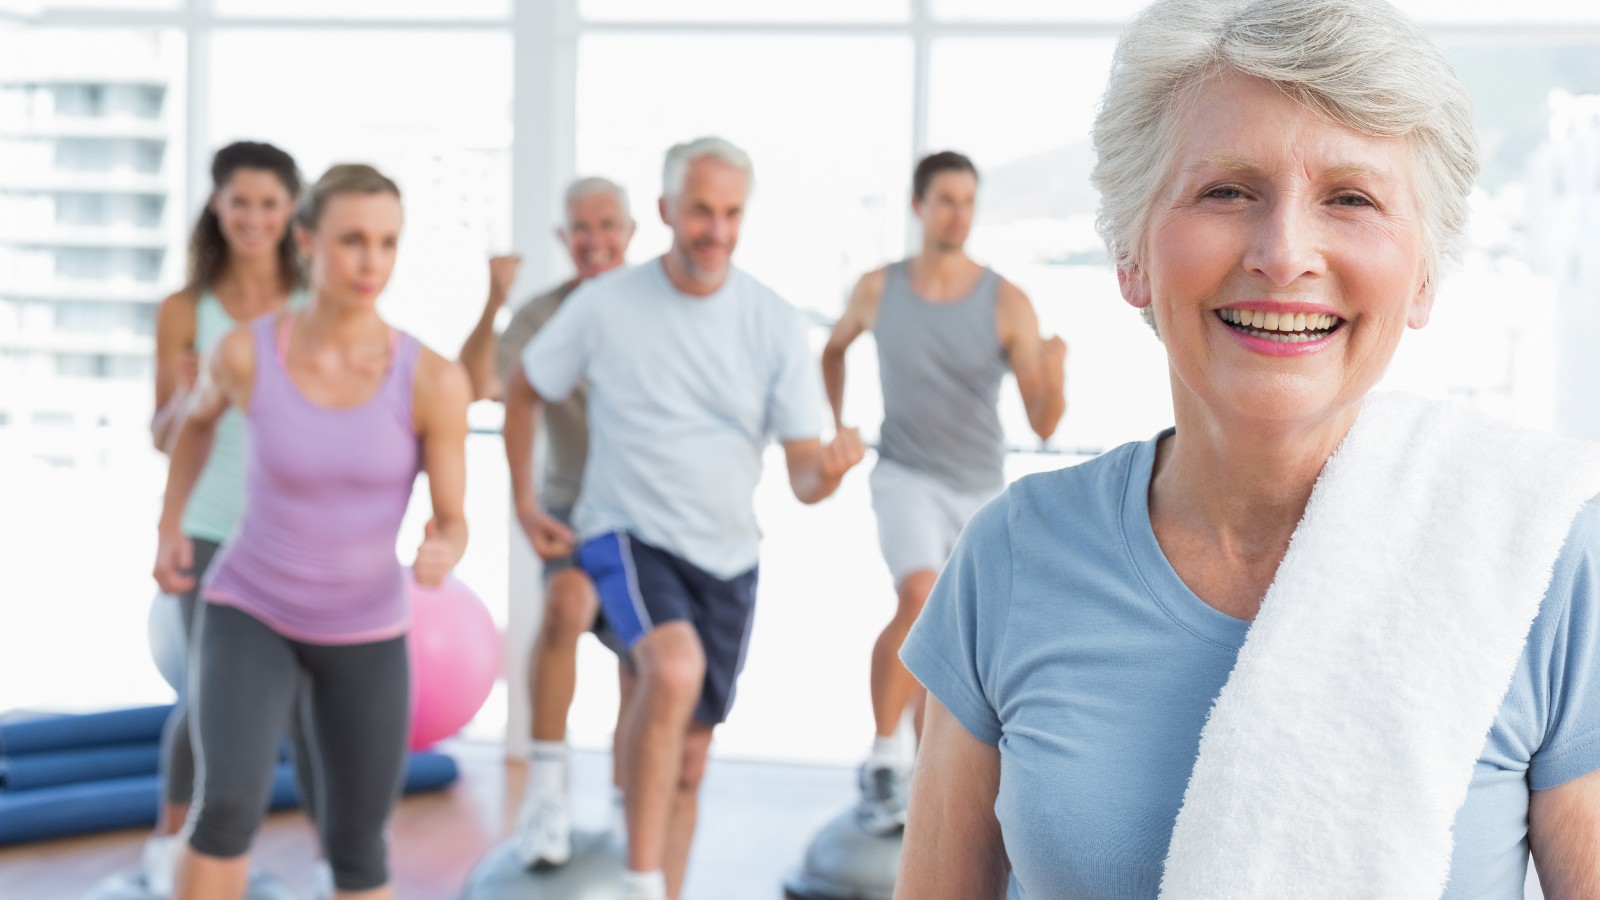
[
  {"x": 953, "y": 848},
  {"x": 478, "y": 353},
  {"x": 177, "y": 366},
  {"x": 859, "y": 313},
  {"x": 550, "y": 539},
  {"x": 1038, "y": 364},
  {"x": 1564, "y": 833},
  {"x": 225, "y": 383},
  {"x": 816, "y": 469},
  {"x": 441, "y": 394}
]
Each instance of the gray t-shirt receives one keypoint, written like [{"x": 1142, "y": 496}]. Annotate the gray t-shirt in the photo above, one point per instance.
[
  {"x": 684, "y": 395},
  {"x": 566, "y": 423}
]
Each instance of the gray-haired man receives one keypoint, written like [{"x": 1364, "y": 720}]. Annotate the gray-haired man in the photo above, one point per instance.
[{"x": 596, "y": 236}]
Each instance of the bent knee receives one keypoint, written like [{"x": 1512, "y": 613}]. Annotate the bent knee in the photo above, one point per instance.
[
  {"x": 225, "y": 824},
  {"x": 569, "y": 606},
  {"x": 672, "y": 661}
]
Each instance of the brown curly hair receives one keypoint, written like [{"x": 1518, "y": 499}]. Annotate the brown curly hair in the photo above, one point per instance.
[{"x": 208, "y": 249}]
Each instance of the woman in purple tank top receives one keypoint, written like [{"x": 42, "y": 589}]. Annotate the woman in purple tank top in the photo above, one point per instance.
[{"x": 342, "y": 411}]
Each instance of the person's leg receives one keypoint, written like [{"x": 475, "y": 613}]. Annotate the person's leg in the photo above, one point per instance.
[
  {"x": 360, "y": 712},
  {"x": 627, "y": 686},
  {"x": 686, "y": 806},
  {"x": 912, "y": 530},
  {"x": 569, "y": 610},
  {"x": 544, "y": 834},
  {"x": 648, "y": 606},
  {"x": 242, "y": 691},
  {"x": 177, "y": 752},
  {"x": 892, "y": 685},
  {"x": 671, "y": 668},
  {"x": 302, "y": 743},
  {"x": 724, "y": 616}
]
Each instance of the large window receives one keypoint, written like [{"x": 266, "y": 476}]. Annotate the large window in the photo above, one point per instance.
[
  {"x": 430, "y": 109},
  {"x": 103, "y": 154}
]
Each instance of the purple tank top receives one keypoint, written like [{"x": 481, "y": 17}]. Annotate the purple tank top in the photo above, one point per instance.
[{"x": 325, "y": 489}]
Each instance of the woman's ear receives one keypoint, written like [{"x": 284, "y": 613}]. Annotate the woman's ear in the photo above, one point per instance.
[
  {"x": 1134, "y": 285},
  {"x": 1421, "y": 304}
]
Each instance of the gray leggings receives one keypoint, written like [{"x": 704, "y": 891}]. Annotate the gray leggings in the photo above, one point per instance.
[
  {"x": 177, "y": 750},
  {"x": 359, "y": 699}
]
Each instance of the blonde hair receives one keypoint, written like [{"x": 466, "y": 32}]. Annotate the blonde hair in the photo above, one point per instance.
[{"x": 342, "y": 178}]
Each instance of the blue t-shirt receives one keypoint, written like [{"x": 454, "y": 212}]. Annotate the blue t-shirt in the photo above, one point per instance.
[
  {"x": 1059, "y": 632},
  {"x": 684, "y": 394}
]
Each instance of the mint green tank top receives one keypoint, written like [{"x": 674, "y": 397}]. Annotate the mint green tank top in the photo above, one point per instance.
[{"x": 218, "y": 499}]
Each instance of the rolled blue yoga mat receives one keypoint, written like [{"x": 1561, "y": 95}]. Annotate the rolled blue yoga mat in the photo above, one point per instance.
[
  {"x": 122, "y": 726},
  {"x": 31, "y": 771},
  {"x": 69, "y": 809}
]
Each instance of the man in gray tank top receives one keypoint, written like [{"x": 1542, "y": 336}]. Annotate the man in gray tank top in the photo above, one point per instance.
[{"x": 948, "y": 330}]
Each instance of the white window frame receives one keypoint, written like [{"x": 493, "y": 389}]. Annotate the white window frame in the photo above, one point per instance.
[{"x": 546, "y": 36}]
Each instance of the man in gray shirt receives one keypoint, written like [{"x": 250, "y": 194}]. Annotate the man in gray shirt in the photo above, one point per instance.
[
  {"x": 948, "y": 329},
  {"x": 596, "y": 236}
]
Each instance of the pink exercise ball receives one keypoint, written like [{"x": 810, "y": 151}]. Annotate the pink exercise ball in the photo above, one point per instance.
[{"x": 455, "y": 658}]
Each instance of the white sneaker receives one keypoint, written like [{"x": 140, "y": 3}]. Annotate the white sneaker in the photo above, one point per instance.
[
  {"x": 544, "y": 832},
  {"x": 160, "y": 863},
  {"x": 882, "y": 810},
  {"x": 633, "y": 888},
  {"x": 322, "y": 881}
]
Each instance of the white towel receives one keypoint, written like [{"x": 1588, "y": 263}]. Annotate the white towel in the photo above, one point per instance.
[{"x": 1339, "y": 751}]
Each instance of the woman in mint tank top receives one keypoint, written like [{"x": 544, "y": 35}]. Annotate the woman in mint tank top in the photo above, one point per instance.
[
  {"x": 341, "y": 413},
  {"x": 242, "y": 264}
]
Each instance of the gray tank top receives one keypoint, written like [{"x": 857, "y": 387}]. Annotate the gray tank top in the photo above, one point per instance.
[{"x": 941, "y": 365}]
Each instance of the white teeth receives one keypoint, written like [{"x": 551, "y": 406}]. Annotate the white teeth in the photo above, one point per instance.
[{"x": 1281, "y": 327}]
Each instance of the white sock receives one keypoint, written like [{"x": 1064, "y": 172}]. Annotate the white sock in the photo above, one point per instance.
[
  {"x": 645, "y": 884},
  {"x": 547, "y": 768},
  {"x": 885, "y": 752}
]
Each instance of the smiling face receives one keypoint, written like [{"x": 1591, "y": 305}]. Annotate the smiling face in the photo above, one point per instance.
[
  {"x": 253, "y": 210},
  {"x": 1284, "y": 257},
  {"x": 352, "y": 247},
  {"x": 705, "y": 217},
  {"x": 597, "y": 233}
]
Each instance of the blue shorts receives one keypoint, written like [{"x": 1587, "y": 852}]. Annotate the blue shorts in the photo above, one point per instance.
[
  {"x": 599, "y": 627},
  {"x": 641, "y": 586}
]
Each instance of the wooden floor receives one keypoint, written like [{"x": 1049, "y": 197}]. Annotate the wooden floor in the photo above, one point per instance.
[{"x": 755, "y": 821}]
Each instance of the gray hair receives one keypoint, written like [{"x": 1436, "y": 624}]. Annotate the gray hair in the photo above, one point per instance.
[
  {"x": 1362, "y": 63},
  {"x": 676, "y": 170},
  {"x": 594, "y": 185}
]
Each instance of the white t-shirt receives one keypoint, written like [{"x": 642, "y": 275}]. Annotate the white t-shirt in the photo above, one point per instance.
[{"x": 684, "y": 394}]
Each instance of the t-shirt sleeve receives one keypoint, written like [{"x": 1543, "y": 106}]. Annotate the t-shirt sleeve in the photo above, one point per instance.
[
  {"x": 525, "y": 322},
  {"x": 794, "y": 407},
  {"x": 557, "y": 359},
  {"x": 954, "y": 648},
  {"x": 1571, "y": 746}
]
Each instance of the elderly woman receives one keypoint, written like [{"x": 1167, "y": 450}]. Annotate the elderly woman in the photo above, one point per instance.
[{"x": 1310, "y": 643}]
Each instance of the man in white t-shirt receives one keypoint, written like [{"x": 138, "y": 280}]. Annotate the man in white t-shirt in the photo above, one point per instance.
[{"x": 692, "y": 367}]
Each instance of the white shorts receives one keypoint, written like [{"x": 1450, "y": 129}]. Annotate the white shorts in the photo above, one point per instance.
[{"x": 919, "y": 518}]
